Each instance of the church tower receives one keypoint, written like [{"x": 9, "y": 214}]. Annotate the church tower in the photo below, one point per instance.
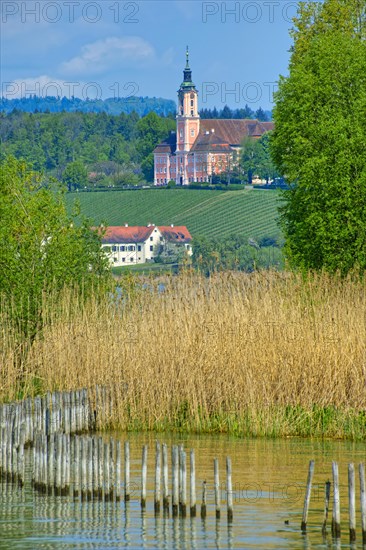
[{"x": 188, "y": 121}]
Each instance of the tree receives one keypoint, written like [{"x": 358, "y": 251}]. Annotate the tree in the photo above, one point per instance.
[
  {"x": 319, "y": 141},
  {"x": 151, "y": 130},
  {"x": 75, "y": 175},
  {"x": 266, "y": 168},
  {"x": 251, "y": 156},
  {"x": 42, "y": 249}
]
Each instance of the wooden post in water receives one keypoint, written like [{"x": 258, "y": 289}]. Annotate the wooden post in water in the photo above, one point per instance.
[
  {"x": 112, "y": 471},
  {"x": 217, "y": 488},
  {"x": 204, "y": 501},
  {"x": 76, "y": 466},
  {"x": 363, "y": 501},
  {"x": 352, "y": 502},
  {"x": 100, "y": 468},
  {"x": 83, "y": 468},
  {"x": 326, "y": 507},
  {"x": 192, "y": 485},
  {"x": 127, "y": 471},
  {"x": 184, "y": 484},
  {"x": 118, "y": 471},
  {"x": 307, "y": 496},
  {"x": 58, "y": 464},
  {"x": 165, "y": 479},
  {"x": 229, "y": 490},
  {"x": 175, "y": 481},
  {"x": 95, "y": 467},
  {"x": 157, "y": 479},
  {"x": 180, "y": 470},
  {"x": 90, "y": 467},
  {"x": 143, "y": 477},
  {"x": 107, "y": 486},
  {"x": 336, "y": 519}
]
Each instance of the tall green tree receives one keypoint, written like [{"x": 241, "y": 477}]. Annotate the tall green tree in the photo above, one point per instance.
[
  {"x": 42, "y": 249},
  {"x": 75, "y": 175},
  {"x": 250, "y": 157},
  {"x": 319, "y": 141}
]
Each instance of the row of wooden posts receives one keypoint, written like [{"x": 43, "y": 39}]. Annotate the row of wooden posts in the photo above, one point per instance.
[
  {"x": 336, "y": 511},
  {"x": 88, "y": 468},
  {"x": 68, "y": 412}
]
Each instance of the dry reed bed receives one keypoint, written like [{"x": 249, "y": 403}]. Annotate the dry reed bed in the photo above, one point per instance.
[{"x": 262, "y": 354}]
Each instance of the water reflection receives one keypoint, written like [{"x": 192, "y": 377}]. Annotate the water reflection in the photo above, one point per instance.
[{"x": 268, "y": 483}]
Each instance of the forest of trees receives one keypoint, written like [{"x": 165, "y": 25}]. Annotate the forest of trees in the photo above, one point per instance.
[
  {"x": 237, "y": 253},
  {"x": 112, "y": 106},
  {"x": 113, "y": 150},
  {"x": 242, "y": 113}
]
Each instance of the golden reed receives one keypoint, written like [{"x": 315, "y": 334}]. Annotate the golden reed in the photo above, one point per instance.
[{"x": 260, "y": 354}]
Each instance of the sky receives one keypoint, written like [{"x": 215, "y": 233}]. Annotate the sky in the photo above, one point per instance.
[{"x": 112, "y": 48}]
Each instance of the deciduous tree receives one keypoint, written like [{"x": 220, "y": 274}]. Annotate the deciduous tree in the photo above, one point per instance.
[{"x": 319, "y": 141}]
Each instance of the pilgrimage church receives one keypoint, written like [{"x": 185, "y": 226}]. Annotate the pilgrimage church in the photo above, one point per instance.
[{"x": 199, "y": 148}]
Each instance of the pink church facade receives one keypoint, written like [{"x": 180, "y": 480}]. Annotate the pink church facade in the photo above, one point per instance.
[{"x": 199, "y": 148}]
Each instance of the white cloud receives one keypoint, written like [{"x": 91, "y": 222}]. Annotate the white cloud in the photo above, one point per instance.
[{"x": 112, "y": 52}]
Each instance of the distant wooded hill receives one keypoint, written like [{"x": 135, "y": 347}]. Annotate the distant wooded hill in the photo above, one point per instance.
[{"x": 113, "y": 106}]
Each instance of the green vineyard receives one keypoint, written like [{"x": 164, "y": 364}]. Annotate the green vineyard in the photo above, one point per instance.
[{"x": 251, "y": 212}]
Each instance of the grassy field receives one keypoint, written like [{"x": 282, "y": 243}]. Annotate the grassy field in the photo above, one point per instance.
[
  {"x": 250, "y": 212},
  {"x": 263, "y": 354}
]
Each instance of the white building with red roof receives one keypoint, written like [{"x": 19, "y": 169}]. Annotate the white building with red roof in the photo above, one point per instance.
[
  {"x": 199, "y": 148},
  {"x": 127, "y": 245}
]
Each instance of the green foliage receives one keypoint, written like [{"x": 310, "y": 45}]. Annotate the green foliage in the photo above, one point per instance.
[
  {"x": 170, "y": 253},
  {"x": 42, "y": 249},
  {"x": 75, "y": 175},
  {"x": 319, "y": 141},
  {"x": 104, "y": 145},
  {"x": 256, "y": 159},
  {"x": 247, "y": 212},
  {"x": 235, "y": 253},
  {"x": 112, "y": 105}
]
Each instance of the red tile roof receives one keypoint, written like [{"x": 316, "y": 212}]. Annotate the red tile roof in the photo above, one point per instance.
[
  {"x": 129, "y": 234},
  {"x": 231, "y": 131},
  {"x": 177, "y": 233},
  {"x": 234, "y": 130},
  {"x": 210, "y": 142},
  {"x": 139, "y": 234}
]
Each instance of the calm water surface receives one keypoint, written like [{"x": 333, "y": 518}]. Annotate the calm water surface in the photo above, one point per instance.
[{"x": 268, "y": 481}]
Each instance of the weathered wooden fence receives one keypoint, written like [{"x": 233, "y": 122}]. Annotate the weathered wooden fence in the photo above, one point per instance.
[
  {"x": 68, "y": 458},
  {"x": 336, "y": 509}
]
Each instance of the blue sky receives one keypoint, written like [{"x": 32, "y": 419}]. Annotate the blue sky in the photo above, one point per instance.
[{"x": 118, "y": 48}]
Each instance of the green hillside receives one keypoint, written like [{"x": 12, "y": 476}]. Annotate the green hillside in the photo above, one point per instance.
[{"x": 251, "y": 213}]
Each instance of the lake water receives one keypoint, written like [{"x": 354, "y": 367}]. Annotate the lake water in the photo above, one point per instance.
[{"x": 269, "y": 479}]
